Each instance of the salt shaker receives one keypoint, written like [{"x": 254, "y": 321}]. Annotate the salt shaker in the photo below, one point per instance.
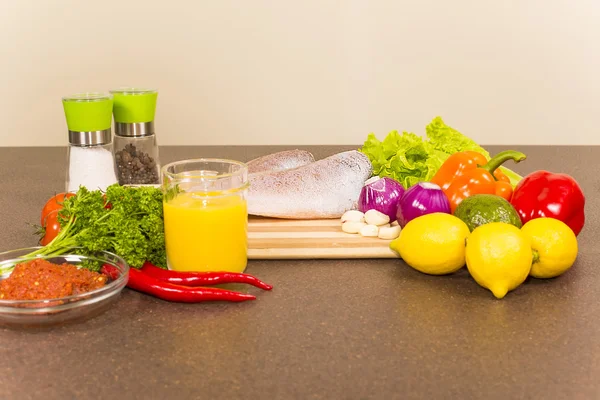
[
  {"x": 135, "y": 146},
  {"x": 90, "y": 161}
]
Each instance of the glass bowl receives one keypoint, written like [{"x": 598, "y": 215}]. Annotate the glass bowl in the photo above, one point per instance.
[{"x": 82, "y": 306}]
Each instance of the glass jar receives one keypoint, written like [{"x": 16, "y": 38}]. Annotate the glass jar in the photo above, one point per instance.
[
  {"x": 90, "y": 161},
  {"x": 206, "y": 215},
  {"x": 136, "y": 154},
  {"x": 135, "y": 145}
]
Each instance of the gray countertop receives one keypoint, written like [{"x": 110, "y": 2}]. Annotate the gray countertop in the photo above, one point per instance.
[{"x": 335, "y": 329}]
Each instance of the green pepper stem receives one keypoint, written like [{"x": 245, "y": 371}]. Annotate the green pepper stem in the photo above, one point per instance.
[
  {"x": 501, "y": 158},
  {"x": 535, "y": 256}
]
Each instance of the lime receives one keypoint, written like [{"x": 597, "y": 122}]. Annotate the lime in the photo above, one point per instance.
[{"x": 481, "y": 209}]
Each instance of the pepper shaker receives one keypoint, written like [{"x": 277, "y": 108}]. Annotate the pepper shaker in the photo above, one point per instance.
[
  {"x": 90, "y": 161},
  {"x": 135, "y": 148}
]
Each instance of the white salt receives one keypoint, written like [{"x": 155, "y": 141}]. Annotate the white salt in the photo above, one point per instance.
[{"x": 92, "y": 167}]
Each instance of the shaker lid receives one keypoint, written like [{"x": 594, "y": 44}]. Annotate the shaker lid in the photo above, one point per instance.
[
  {"x": 134, "y": 105},
  {"x": 86, "y": 112}
]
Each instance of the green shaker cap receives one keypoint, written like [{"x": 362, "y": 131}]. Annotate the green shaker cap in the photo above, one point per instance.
[
  {"x": 134, "y": 105},
  {"x": 90, "y": 111}
]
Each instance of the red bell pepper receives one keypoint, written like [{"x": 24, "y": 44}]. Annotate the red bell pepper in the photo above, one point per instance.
[{"x": 546, "y": 194}]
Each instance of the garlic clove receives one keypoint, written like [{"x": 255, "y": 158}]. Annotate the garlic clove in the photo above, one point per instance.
[
  {"x": 391, "y": 232},
  {"x": 353, "y": 215},
  {"x": 377, "y": 218},
  {"x": 369, "y": 231},
  {"x": 352, "y": 226}
]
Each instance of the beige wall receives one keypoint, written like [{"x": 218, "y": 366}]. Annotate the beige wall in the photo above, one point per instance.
[{"x": 311, "y": 71}]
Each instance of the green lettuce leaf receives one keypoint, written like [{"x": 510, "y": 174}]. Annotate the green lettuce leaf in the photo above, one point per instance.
[
  {"x": 410, "y": 159},
  {"x": 405, "y": 157},
  {"x": 449, "y": 140}
]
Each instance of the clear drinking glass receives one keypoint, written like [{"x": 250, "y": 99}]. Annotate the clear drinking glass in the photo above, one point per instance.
[{"x": 206, "y": 215}]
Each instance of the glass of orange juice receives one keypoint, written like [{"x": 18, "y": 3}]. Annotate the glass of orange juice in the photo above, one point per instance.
[{"x": 206, "y": 215}]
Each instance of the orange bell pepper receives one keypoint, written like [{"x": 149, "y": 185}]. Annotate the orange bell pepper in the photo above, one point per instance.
[{"x": 467, "y": 173}]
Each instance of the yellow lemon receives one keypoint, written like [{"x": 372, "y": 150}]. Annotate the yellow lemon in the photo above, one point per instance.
[
  {"x": 554, "y": 246},
  {"x": 433, "y": 243},
  {"x": 498, "y": 257}
]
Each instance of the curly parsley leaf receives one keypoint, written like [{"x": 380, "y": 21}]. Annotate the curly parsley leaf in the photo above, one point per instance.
[{"x": 127, "y": 221}]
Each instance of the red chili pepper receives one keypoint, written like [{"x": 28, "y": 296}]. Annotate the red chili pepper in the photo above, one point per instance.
[
  {"x": 110, "y": 271},
  {"x": 545, "y": 194},
  {"x": 202, "y": 278},
  {"x": 176, "y": 293},
  {"x": 107, "y": 204}
]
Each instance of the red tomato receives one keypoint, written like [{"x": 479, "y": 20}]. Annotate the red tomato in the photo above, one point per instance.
[
  {"x": 54, "y": 204},
  {"x": 107, "y": 205},
  {"x": 51, "y": 226}
]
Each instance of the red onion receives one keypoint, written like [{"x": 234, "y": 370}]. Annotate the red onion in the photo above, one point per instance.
[
  {"x": 381, "y": 194},
  {"x": 420, "y": 199}
]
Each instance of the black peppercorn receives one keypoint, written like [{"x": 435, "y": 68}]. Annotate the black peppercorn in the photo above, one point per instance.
[{"x": 135, "y": 167}]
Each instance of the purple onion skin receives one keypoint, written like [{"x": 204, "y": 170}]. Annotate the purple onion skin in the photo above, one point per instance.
[
  {"x": 421, "y": 199},
  {"x": 382, "y": 195}
]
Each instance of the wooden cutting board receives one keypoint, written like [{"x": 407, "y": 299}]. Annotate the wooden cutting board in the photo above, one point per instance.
[{"x": 279, "y": 239}]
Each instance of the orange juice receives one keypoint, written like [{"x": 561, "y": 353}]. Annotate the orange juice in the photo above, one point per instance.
[{"x": 206, "y": 233}]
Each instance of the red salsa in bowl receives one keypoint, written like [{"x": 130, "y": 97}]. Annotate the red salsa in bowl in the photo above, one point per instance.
[
  {"x": 40, "y": 279},
  {"x": 48, "y": 290}
]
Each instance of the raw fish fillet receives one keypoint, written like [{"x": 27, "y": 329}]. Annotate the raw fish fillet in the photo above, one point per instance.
[
  {"x": 280, "y": 161},
  {"x": 323, "y": 189}
]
